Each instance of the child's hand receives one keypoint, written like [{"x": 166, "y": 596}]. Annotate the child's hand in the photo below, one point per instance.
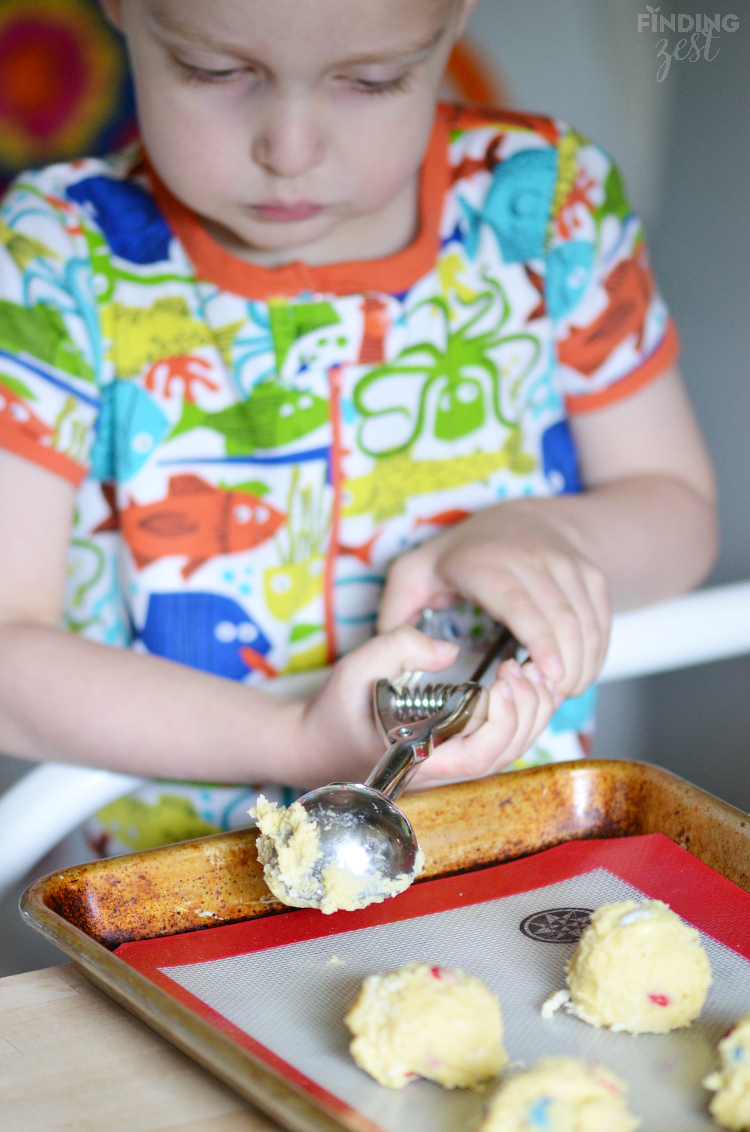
[
  {"x": 520, "y": 707},
  {"x": 337, "y": 737},
  {"x": 525, "y": 570}
]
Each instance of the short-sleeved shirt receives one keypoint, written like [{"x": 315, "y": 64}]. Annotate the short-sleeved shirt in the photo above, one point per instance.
[{"x": 252, "y": 447}]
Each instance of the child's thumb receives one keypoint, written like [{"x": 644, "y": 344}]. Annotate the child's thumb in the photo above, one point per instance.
[{"x": 405, "y": 649}]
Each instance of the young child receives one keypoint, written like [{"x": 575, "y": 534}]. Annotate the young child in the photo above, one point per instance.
[{"x": 318, "y": 330}]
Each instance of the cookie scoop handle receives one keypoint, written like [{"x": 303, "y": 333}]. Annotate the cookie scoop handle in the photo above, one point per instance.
[{"x": 413, "y": 742}]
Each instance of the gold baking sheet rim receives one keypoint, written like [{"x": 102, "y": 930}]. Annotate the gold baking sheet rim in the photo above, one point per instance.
[{"x": 91, "y": 909}]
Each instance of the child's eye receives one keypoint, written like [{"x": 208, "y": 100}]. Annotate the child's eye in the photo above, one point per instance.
[
  {"x": 204, "y": 75},
  {"x": 383, "y": 86}
]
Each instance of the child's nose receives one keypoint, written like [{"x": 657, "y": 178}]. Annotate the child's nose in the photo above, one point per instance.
[{"x": 290, "y": 141}]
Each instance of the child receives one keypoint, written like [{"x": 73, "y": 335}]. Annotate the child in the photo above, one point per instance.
[{"x": 315, "y": 331}]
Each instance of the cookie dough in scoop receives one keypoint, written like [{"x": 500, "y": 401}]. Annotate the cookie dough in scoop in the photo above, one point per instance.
[
  {"x": 560, "y": 1094},
  {"x": 637, "y": 968},
  {"x": 289, "y": 850},
  {"x": 423, "y": 1021},
  {"x": 730, "y": 1107}
]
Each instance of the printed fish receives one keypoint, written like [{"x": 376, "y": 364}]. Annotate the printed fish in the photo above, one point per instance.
[
  {"x": 129, "y": 426},
  {"x": 569, "y": 269},
  {"x": 15, "y": 412},
  {"x": 629, "y": 289},
  {"x": 23, "y": 249},
  {"x": 205, "y": 631},
  {"x": 443, "y": 518},
  {"x": 517, "y": 206},
  {"x": 568, "y": 274},
  {"x": 127, "y": 215},
  {"x": 145, "y": 825},
  {"x": 140, "y": 336},
  {"x": 384, "y": 491},
  {"x": 271, "y": 417},
  {"x": 364, "y": 551},
  {"x": 41, "y": 331},
  {"x": 195, "y": 520},
  {"x": 292, "y": 321},
  {"x": 560, "y": 459}
]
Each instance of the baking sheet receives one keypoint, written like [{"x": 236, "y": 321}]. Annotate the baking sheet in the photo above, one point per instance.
[{"x": 271, "y": 984}]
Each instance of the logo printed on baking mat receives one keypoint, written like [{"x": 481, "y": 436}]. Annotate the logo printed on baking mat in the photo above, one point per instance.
[{"x": 557, "y": 925}]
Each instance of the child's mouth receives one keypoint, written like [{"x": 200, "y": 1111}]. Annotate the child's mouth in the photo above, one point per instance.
[{"x": 279, "y": 211}]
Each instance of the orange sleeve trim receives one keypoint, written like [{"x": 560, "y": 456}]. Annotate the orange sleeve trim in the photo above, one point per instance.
[
  {"x": 12, "y": 440},
  {"x": 664, "y": 356},
  {"x": 391, "y": 275}
]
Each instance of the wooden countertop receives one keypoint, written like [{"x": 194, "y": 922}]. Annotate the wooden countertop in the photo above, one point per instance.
[{"x": 71, "y": 1058}]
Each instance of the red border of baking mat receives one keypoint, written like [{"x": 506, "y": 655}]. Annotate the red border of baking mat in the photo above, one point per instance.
[{"x": 652, "y": 863}]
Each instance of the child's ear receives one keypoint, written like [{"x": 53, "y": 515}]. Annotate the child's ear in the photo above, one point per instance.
[{"x": 113, "y": 12}]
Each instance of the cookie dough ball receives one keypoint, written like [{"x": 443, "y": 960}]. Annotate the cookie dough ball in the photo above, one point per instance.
[
  {"x": 429, "y": 1022},
  {"x": 638, "y": 968},
  {"x": 560, "y": 1094},
  {"x": 730, "y": 1107}
]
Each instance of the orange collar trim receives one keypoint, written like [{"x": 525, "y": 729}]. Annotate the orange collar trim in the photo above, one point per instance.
[{"x": 392, "y": 274}]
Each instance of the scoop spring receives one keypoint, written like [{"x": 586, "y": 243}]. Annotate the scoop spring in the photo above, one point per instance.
[{"x": 412, "y": 704}]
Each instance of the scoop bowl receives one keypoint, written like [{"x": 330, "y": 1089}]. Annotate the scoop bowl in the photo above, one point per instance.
[{"x": 364, "y": 838}]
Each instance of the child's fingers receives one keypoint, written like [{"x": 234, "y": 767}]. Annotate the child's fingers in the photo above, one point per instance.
[
  {"x": 575, "y": 621},
  {"x": 401, "y": 650},
  {"x": 585, "y": 589},
  {"x": 534, "y": 700},
  {"x": 519, "y": 709},
  {"x": 598, "y": 589},
  {"x": 475, "y": 756},
  {"x": 344, "y": 704},
  {"x": 546, "y": 700},
  {"x": 529, "y": 615},
  {"x": 533, "y": 704},
  {"x": 556, "y": 603},
  {"x": 411, "y": 586},
  {"x": 559, "y": 609},
  {"x": 558, "y": 651}
]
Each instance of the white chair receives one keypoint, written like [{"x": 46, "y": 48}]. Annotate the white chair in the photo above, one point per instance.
[{"x": 53, "y": 799}]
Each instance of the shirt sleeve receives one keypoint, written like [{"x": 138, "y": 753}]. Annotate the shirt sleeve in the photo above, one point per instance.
[
  {"x": 49, "y": 396},
  {"x": 613, "y": 333}
]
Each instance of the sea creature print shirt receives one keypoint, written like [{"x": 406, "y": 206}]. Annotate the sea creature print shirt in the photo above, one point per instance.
[{"x": 253, "y": 446}]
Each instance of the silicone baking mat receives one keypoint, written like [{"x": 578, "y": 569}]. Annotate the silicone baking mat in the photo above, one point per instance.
[{"x": 274, "y": 986}]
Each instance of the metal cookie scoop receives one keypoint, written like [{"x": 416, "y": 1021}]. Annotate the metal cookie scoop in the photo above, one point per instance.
[
  {"x": 364, "y": 838},
  {"x": 362, "y": 832}
]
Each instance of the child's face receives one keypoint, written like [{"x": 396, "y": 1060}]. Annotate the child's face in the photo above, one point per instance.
[{"x": 294, "y": 127}]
